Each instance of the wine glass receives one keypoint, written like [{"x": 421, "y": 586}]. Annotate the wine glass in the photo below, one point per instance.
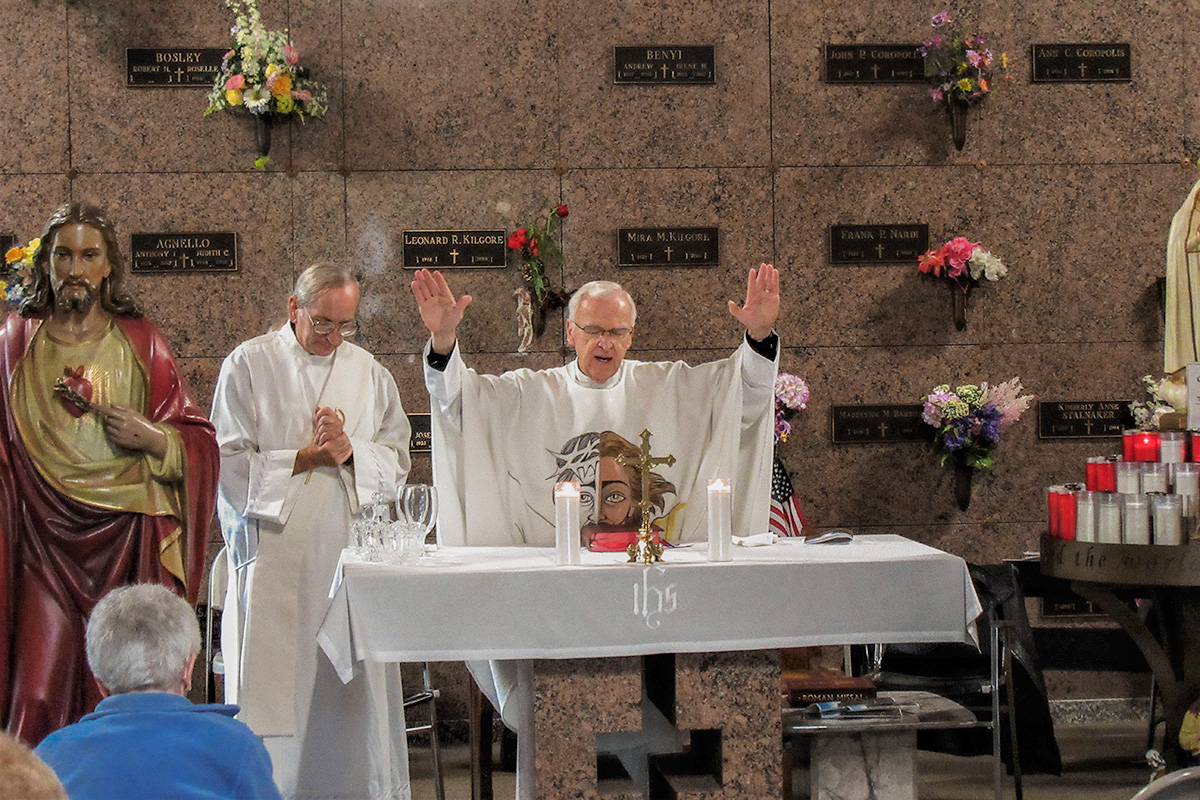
[{"x": 416, "y": 504}]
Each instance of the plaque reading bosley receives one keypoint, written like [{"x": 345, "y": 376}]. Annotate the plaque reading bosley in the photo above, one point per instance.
[
  {"x": 1082, "y": 63},
  {"x": 667, "y": 247},
  {"x": 421, "y": 440},
  {"x": 448, "y": 249},
  {"x": 183, "y": 252},
  {"x": 172, "y": 67},
  {"x": 874, "y": 63},
  {"x": 657, "y": 64},
  {"x": 877, "y": 244},
  {"x": 883, "y": 423},
  {"x": 1083, "y": 419}
]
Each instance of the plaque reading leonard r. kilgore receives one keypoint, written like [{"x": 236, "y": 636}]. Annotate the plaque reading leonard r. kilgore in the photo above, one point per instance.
[
  {"x": 172, "y": 67},
  {"x": 421, "y": 440},
  {"x": 1083, "y": 419},
  {"x": 448, "y": 249},
  {"x": 871, "y": 424},
  {"x": 1082, "y": 63},
  {"x": 657, "y": 64},
  {"x": 874, "y": 63},
  {"x": 667, "y": 247},
  {"x": 183, "y": 252},
  {"x": 877, "y": 244}
]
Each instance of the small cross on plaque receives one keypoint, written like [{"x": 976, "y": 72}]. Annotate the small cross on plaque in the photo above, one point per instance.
[{"x": 645, "y": 548}]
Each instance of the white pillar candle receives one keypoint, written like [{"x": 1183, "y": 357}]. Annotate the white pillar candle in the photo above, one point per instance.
[
  {"x": 1085, "y": 517},
  {"x": 1187, "y": 486},
  {"x": 1129, "y": 477},
  {"x": 566, "y": 522},
  {"x": 1154, "y": 478},
  {"x": 1167, "y": 513},
  {"x": 1136, "y": 520},
  {"x": 1108, "y": 518},
  {"x": 720, "y": 524},
  {"x": 1173, "y": 446}
]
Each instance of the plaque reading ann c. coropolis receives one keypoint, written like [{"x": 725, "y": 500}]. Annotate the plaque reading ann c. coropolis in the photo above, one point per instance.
[
  {"x": 172, "y": 67},
  {"x": 658, "y": 64},
  {"x": 449, "y": 249},
  {"x": 874, "y": 63},
  {"x": 877, "y": 244},
  {"x": 1083, "y": 419},
  {"x": 1082, "y": 63},
  {"x": 421, "y": 440},
  {"x": 872, "y": 424},
  {"x": 183, "y": 252},
  {"x": 667, "y": 247}
]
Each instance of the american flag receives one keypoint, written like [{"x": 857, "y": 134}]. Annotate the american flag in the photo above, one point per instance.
[{"x": 786, "y": 517}]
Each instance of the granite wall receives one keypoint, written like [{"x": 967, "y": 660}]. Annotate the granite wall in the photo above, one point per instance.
[{"x": 469, "y": 114}]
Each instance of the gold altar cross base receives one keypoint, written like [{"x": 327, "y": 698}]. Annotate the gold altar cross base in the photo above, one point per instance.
[{"x": 645, "y": 549}]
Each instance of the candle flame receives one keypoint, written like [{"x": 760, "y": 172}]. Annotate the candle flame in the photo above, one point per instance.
[
  {"x": 718, "y": 485},
  {"x": 566, "y": 489}
]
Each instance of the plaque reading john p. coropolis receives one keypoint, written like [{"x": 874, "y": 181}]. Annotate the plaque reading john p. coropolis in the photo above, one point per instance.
[
  {"x": 447, "y": 249},
  {"x": 172, "y": 67},
  {"x": 688, "y": 64},
  {"x": 877, "y": 244},
  {"x": 667, "y": 247},
  {"x": 874, "y": 63},
  {"x": 183, "y": 252}
]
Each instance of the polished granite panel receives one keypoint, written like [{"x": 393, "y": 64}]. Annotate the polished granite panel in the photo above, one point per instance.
[
  {"x": 28, "y": 201},
  {"x": 319, "y": 31},
  {"x": 201, "y": 376},
  {"x": 677, "y": 308},
  {"x": 37, "y": 97},
  {"x": 1050, "y": 225},
  {"x": 720, "y": 125},
  {"x": 318, "y": 219},
  {"x": 463, "y": 85},
  {"x": 206, "y": 314}
]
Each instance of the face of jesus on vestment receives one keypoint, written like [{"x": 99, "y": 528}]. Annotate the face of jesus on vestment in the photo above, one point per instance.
[
  {"x": 338, "y": 305},
  {"x": 600, "y": 356},
  {"x": 78, "y": 266}
]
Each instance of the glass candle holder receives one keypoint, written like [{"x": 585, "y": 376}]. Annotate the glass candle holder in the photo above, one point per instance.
[
  {"x": 1154, "y": 478},
  {"x": 1135, "y": 522},
  {"x": 720, "y": 526},
  {"x": 1108, "y": 518},
  {"x": 566, "y": 522},
  {"x": 1172, "y": 446},
  {"x": 1085, "y": 516},
  {"x": 1129, "y": 477},
  {"x": 1166, "y": 512}
]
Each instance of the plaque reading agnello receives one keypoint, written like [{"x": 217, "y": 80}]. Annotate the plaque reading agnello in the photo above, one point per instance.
[
  {"x": 874, "y": 63},
  {"x": 667, "y": 247},
  {"x": 1083, "y": 419},
  {"x": 172, "y": 67},
  {"x": 446, "y": 249},
  {"x": 1082, "y": 63},
  {"x": 183, "y": 252},
  {"x": 877, "y": 244},
  {"x": 421, "y": 440},
  {"x": 870, "y": 424},
  {"x": 655, "y": 64}
]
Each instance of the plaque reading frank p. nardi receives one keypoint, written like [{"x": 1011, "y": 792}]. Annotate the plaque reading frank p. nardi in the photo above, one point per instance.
[
  {"x": 1082, "y": 63},
  {"x": 1083, "y": 419},
  {"x": 877, "y": 244},
  {"x": 667, "y": 247},
  {"x": 874, "y": 63},
  {"x": 183, "y": 252},
  {"x": 871, "y": 424},
  {"x": 172, "y": 67},
  {"x": 656, "y": 64},
  {"x": 447, "y": 249}
]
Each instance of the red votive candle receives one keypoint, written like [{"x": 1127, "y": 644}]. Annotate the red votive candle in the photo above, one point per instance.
[
  {"x": 1067, "y": 509},
  {"x": 1127, "y": 445},
  {"x": 1101, "y": 474},
  {"x": 1052, "y": 511},
  {"x": 1195, "y": 437},
  {"x": 1145, "y": 446}
]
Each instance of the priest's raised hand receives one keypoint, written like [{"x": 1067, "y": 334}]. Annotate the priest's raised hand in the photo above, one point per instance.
[
  {"x": 440, "y": 312},
  {"x": 761, "y": 308}
]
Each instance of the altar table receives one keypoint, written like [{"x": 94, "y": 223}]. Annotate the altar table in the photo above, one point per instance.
[{"x": 514, "y": 604}]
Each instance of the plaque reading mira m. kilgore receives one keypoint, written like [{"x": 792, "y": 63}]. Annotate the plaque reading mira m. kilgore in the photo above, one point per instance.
[
  {"x": 667, "y": 247},
  {"x": 1083, "y": 419},
  {"x": 449, "y": 249},
  {"x": 1082, "y": 63},
  {"x": 421, "y": 440},
  {"x": 183, "y": 252},
  {"x": 874, "y": 63},
  {"x": 172, "y": 67},
  {"x": 657, "y": 64},
  {"x": 877, "y": 244},
  {"x": 872, "y": 424}
]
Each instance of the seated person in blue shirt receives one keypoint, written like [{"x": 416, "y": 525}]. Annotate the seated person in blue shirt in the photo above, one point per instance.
[{"x": 147, "y": 739}]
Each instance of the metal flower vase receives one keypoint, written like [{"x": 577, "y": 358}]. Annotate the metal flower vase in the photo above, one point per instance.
[
  {"x": 262, "y": 133},
  {"x": 957, "y": 111},
  {"x": 963, "y": 476},
  {"x": 959, "y": 293}
]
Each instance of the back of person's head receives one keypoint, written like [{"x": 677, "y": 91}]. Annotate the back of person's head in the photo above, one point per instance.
[
  {"x": 140, "y": 638},
  {"x": 23, "y": 776},
  {"x": 320, "y": 277}
]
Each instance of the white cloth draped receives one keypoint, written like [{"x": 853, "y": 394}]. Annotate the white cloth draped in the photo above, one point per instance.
[{"x": 1180, "y": 345}]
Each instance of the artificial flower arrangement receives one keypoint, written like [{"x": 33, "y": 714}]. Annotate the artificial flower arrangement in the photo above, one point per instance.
[
  {"x": 964, "y": 264},
  {"x": 960, "y": 68},
  {"x": 791, "y": 396},
  {"x": 535, "y": 244},
  {"x": 261, "y": 75},
  {"x": 970, "y": 419},
  {"x": 1166, "y": 396},
  {"x": 17, "y": 281}
]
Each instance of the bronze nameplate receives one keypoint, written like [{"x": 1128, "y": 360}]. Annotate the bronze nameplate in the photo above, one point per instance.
[
  {"x": 877, "y": 244},
  {"x": 183, "y": 252},
  {"x": 172, "y": 67},
  {"x": 874, "y": 63},
  {"x": 422, "y": 438},
  {"x": 448, "y": 249},
  {"x": 658, "y": 64},
  {"x": 871, "y": 424},
  {"x": 1082, "y": 63},
  {"x": 1133, "y": 564},
  {"x": 667, "y": 247},
  {"x": 1083, "y": 419}
]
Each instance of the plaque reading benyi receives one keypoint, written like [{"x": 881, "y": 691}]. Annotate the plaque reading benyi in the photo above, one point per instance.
[
  {"x": 172, "y": 67},
  {"x": 183, "y": 252},
  {"x": 656, "y": 64},
  {"x": 448, "y": 249},
  {"x": 877, "y": 244},
  {"x": 667, "y": 247}
]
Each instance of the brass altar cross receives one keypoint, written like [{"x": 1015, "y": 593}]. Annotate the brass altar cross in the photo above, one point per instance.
[{"x": 645, "y": 548}]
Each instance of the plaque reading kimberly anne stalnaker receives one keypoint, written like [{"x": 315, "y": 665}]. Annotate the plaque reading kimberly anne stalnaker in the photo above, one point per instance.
[
  {"x": 1082, "y": 63},
  {"x": 874, "y": 63},
  {"x": 879, "y": 423},
  {"x": 183, "y": 252},
  {"x": 1083, "y": 419},
  {"x": 667, "y": 247},
  {"x": 450, "y": 249},
  {"x": 658, "y": 64},
  {"x": 172, "y": 67},
  {"x": 877, "y": 244}
]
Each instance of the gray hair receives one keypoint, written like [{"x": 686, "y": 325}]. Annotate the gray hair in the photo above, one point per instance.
[
  {"x": 598, "y": 289},
  {"x": 320, "y": 277},
  {"x": 140, "y": 637}
]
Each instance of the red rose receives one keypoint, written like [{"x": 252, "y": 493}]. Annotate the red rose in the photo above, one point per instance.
[
  {"x": 533, "y": 248},
  {"x": 561, "y": 210}
]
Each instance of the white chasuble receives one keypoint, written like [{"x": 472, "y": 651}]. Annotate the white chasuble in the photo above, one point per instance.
[
  {"x": 502, "y": 441},
  {"x": 1181, "y": 338}
]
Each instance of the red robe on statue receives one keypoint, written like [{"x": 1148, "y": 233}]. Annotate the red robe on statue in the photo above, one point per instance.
[{"x": 59, "y": 556}]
